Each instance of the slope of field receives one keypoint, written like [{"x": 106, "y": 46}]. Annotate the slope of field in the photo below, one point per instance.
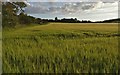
[{"x": 61, "y": 48}]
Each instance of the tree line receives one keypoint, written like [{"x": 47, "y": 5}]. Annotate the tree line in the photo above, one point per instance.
[
  {"x": 13, "y": 15},
  {"x": 68, "y": 20},
  {"x": 74, "y": 20}
]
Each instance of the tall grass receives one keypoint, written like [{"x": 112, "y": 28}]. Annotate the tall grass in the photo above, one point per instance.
[{"x": 61, "y": 48}]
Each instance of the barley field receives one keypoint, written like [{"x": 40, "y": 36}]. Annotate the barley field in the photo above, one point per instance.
[{"x": 61, "y": 48}]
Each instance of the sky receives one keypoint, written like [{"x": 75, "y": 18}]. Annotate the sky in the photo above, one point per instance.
[{"x": 94, "y": 10}]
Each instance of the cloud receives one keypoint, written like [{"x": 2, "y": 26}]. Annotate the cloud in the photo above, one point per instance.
[
  {"x": 75, "y": 9},
  {"x": 27, "y": 3},
  {"x": 60, "y": 0},
  {"x": 65, "y": 8},
  {"x": 36, "y": 10},
  {"x": 71, "y": 0}
]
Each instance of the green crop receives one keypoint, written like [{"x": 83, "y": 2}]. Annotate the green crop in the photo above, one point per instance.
[{"x": 61, "y": 48}]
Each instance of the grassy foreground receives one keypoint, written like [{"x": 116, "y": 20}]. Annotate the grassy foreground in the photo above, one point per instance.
[{"x": 61, "y": 48}]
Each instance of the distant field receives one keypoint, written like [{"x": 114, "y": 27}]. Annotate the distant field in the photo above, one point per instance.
[{"x": 61, "y": 48}]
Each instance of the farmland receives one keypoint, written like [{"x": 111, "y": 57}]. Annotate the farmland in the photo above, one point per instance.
[{"x": 61, "y": 48}]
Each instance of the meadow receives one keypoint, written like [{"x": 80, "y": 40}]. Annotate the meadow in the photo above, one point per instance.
[{"x": 61, "y": 48}]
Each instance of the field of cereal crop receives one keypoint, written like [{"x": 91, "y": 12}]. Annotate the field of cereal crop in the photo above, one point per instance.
[{"x": 61, "y": 48}]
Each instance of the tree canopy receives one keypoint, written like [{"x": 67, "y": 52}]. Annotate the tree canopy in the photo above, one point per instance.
[{"x": 9, "y": 13}]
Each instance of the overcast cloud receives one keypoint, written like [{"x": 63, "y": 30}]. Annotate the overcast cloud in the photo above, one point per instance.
[{"x": 96, "y": 10}]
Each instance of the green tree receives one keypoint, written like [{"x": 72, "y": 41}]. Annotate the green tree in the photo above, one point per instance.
[
  {"x": 9, "y": 13},
  {"x": 56, "y": 18},
  {"x": 25, "y": 19}
]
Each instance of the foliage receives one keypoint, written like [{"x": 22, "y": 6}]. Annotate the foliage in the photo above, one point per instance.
[
  {"x": 9, "y": 13},
  {"x": 13, "y": 14},
  {"x": 24, "y": 19},
  {"x": 9, "y": 16}
]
